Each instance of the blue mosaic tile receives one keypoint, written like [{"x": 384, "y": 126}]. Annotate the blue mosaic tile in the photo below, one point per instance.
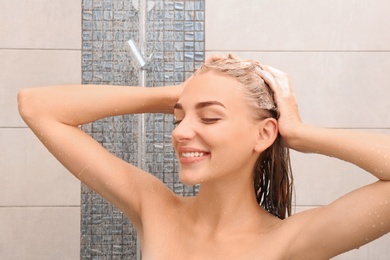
[
  {"x": 97, "y": 4},
  {"x": 179, "y": 6},
  {"x": 179, "y": 15},
  {"x": 199, "y": 16},
  {"x": 199, "y": 5},
  {"x": 175, "y": 37},
  {"x": 199, "y": 36},
  {"x": 87, "y": 5},
  {"x": 189, "y": 36},
  {"x": 190, "y": 5}
]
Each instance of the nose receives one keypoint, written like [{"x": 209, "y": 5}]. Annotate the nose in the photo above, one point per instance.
[{"x": 184, "y": 130}]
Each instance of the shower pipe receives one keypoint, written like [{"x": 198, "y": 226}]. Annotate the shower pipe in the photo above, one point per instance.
[
  {"x": 137, "y": 54},
  {"x": 142, "y": 82}
]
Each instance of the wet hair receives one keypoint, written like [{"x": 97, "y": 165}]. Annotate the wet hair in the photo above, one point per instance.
[{"x": 273, "y": 180}]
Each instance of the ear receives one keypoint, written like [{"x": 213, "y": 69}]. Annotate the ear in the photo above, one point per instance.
[{"x": 267, "y": 134}]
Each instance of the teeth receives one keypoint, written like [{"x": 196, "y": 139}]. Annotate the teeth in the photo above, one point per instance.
[{"x": 192, "y": 154}]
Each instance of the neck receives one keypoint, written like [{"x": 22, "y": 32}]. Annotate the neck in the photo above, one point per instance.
[{"x": 224, "y": 205}]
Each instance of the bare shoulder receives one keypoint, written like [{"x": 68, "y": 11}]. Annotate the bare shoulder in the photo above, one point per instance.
[
  {"x": 161, "y": 204},
  {"x": 163, "y": 215}
]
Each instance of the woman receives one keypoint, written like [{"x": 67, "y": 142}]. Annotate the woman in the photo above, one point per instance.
[{"x": 232, "y": 138}]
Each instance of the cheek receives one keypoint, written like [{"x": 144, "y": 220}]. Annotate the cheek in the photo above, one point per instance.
[
  {"x": 236, "y": 140},
  {"x": 243, "y": 132}
]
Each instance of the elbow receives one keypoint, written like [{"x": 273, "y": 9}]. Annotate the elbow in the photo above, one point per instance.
[
  {"x": 21, "y": 99},
  {"x": 25, "y": 104}
]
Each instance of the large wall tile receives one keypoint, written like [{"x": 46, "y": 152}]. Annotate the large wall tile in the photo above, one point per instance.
[
  {"x": 40, "y": 233},
  {"x": 336, "y": 89},
  {"x": 324, "y": 178},
  {"x": 30, "y": 175},
  {"x": 42, "y": 24},
  {"x": 291, "y": 25},
  {"x": 30, "y": 68}
]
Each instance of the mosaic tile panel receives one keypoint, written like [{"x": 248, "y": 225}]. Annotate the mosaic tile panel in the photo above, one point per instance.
[{"x": 175, "y": 45}]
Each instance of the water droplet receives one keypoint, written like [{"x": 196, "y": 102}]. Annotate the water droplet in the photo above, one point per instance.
[{"x": 159, "y": 146}]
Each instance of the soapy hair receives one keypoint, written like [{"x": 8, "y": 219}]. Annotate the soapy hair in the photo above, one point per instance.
[{"x": 273, "y": 180}]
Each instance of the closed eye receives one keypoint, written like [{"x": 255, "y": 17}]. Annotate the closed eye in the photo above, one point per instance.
[
  {"x": 204, "y": 120},
  {"x": 210, "y": 120}
]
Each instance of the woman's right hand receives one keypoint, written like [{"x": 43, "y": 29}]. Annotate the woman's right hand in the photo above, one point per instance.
[
  {"x": 175, "y": 92},
  {"x": 182, "y": 86}
]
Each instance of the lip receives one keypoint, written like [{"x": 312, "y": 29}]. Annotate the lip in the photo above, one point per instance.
[{"x": 190, "y": 160}]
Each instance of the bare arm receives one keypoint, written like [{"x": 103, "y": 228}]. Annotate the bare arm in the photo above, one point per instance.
[
  {"x": 370, "y": 151},
  {"x": 79, "y": 104},
  {"x": 354, "y": 219},
  {"x": 358, "y": 217},
  {"x": 54, "y": 114}
]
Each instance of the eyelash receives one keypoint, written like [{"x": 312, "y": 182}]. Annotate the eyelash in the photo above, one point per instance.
[
  {"x": 210, "y": 120},
  {"x": 204, "y": 120}
]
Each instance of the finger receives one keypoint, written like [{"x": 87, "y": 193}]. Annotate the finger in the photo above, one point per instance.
[
  {"x": 282, "y": 80},
  {"x": 213, "y": 57},
  {"x": 268, "y": 78},
  {"x": 274, "y": 71}
]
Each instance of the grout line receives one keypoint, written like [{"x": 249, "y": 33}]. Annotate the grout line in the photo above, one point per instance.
[
  {"x": 41, "y": 206},
  {"x": 13, "y": 127},
  {"x": 308, "y": 51},
  {"x": 361, "y": 128},
  {"x": 39, "y": 49}
]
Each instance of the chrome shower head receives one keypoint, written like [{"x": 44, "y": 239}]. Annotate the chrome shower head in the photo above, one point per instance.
[{"x": 137, "y": 58}]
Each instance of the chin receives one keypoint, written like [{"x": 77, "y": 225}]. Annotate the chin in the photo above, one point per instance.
[{"x": 188, "y": 180}]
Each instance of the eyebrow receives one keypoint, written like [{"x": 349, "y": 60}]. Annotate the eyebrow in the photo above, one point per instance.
[{"x": 201, "y": 105}]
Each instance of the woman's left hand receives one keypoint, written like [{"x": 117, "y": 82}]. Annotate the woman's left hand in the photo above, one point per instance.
[{"x": 289, "y": 122}]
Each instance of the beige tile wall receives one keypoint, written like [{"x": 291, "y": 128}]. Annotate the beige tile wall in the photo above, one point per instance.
[
  {"x": 39, "y": 201},
  {"x": 336, "y": 53},
  {"x": 338, "y": 57}
]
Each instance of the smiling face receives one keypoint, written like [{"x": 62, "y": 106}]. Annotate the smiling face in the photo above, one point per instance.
[{"x": 216, "y": 133}]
